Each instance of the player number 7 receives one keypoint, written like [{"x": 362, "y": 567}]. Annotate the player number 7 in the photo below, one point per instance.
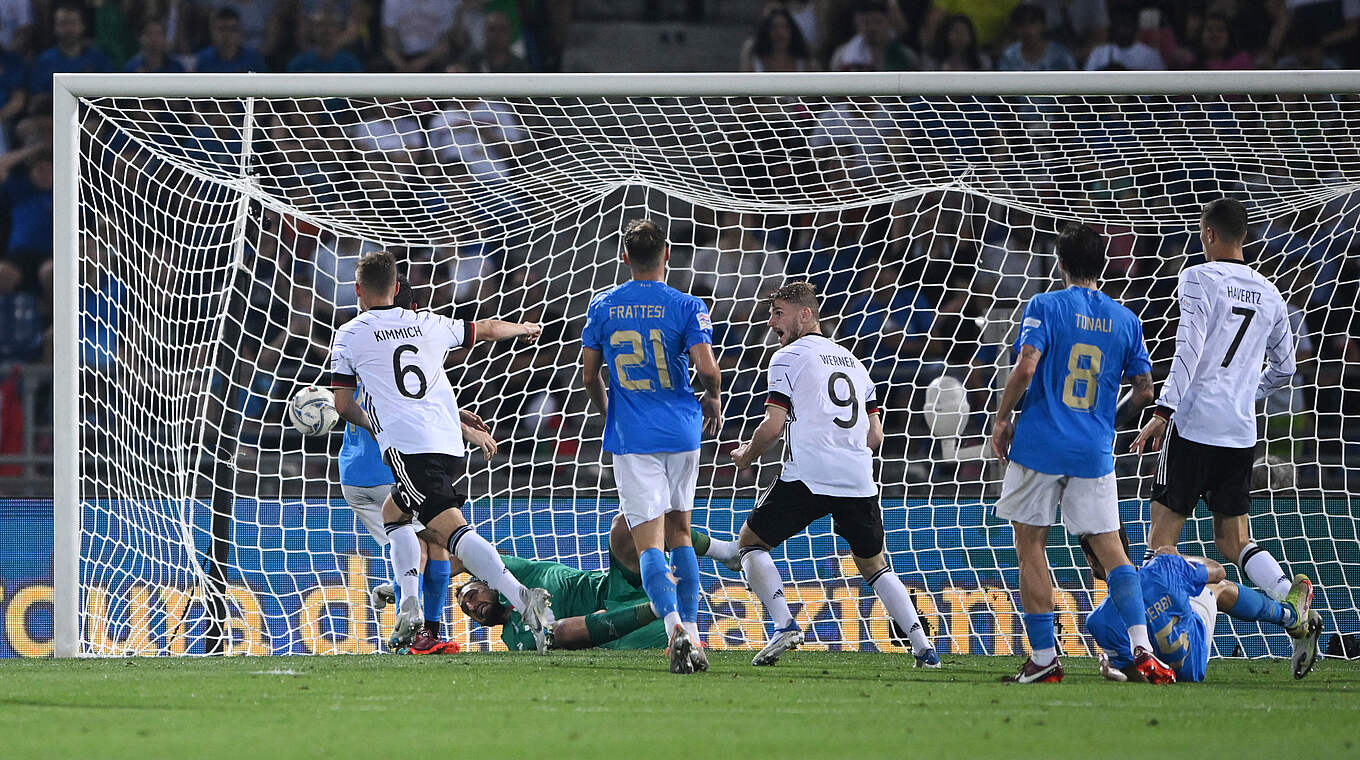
[{"x": 1246, "y": 315}]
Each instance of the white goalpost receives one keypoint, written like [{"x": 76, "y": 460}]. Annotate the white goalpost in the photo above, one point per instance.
[{"x": 208, "y": 227}]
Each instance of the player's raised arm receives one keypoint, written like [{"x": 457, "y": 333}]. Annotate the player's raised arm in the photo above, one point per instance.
[
  {"x": 1003, "y": 429},
  {"x": 496, "y": 329},
  {"x": 710, "y": 377}
]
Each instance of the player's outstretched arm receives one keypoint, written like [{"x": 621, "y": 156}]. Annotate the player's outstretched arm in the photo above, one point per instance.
[
  {"x": 710, "y": 377},
  {"x": 349, "y": 408},
  {"x": 767, "y": 432},
  {"x": 496, "y": 329},
  {"x": 591, "y": 362},
  {"x": 1003, "y": 430}
]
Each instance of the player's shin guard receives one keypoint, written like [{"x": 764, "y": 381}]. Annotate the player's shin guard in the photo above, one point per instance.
[
  {"x": 686, "y": 565},
  {"x": 405, "y": 549},
  {"x": 763, "y": 578},
  {"x": 1252, "y": 605},
  {"x": 1043, "y": 642},
  {"x": 897, "y": 602},
  {"x": 659, "y": 584},
  {"x": 480, "y": 559},
  {"x": 1127, "y": 595},
  {"x": 435, "y": 587},
  {"x": 1258, "y": 565}
]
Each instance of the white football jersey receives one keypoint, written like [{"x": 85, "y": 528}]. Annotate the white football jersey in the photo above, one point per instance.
[
  {"x": 1232, "y": 320},
  {"x": 397, "y": 355},
  {"x": 829, "y": 396}
]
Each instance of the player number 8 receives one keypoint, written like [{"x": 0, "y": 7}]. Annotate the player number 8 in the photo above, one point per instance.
[{"x": 1089, "y": 375}]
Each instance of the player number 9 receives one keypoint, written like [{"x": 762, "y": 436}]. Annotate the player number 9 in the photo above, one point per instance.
[
  {"x": 1089, "y": 375},
  {"x": 847, "y": 401}
]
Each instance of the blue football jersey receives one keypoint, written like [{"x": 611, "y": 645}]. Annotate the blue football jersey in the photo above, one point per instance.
[
  {"x": 361, "y": 462},
  {"x": 1089, "y": 344},
  {"x": 1169, "y": 582},
  {"x": 645, "y": 330}
]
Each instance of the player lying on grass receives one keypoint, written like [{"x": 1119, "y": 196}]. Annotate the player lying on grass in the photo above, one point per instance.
[
  {"x": 1183, "y": 596},
  {"x": 595, "y": 608}
]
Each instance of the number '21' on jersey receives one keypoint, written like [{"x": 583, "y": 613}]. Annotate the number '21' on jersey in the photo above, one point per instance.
[
  {"x": 645, "y": 330},
  {"x": 1088, "y": 345}
]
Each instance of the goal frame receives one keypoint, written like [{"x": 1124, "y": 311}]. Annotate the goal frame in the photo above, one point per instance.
[{"x": 69, "y": 88}]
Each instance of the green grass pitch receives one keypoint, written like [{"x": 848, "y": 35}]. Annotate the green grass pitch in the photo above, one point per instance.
[{"x": 602, "y": 705}]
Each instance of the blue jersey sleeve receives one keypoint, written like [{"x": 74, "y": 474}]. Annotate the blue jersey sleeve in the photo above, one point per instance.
[
  {"x": 1033, "y": 331},
  {"x": 1138, "y": 363},
  {"x": 590, "y": 335},
  {"x": 698, "y": 325}
]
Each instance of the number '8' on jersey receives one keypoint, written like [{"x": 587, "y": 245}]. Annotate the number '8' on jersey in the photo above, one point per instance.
[
  {"x": 397, "y": 355},
  {"x": 1088, "y": 344}
]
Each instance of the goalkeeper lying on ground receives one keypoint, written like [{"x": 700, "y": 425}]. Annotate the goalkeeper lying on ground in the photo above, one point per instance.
[{"x": 594, "y": 608}]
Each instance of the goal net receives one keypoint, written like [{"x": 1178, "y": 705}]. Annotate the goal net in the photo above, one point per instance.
[{"x": 215, "y": 241}]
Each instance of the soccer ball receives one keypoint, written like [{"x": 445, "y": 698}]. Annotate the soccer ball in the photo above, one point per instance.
[{"x": 312, "y": 411}]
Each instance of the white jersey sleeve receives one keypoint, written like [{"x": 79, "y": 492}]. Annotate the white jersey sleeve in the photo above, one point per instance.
[
  {"x": 829, "y": 396},
  {"x": 1231, "y": 318}
]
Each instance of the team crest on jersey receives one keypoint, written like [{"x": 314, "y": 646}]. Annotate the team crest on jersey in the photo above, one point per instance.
[{"x": 705, "y": 322}]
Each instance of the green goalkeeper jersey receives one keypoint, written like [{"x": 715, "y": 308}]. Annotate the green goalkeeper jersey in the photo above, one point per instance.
[{"x": 580, "y": 592}]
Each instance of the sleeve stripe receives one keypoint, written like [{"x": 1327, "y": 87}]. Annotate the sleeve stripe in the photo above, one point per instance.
[
  {"x": 780, "y": 400},
  {"x": 469, "y": 332},
  {"x": 871, "y": 408},
  {"x": 339, "y": 380}
]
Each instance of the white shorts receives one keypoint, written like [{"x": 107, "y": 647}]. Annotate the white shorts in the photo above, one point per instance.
[
  {"x": 1206, "y": 607},
  {"x": 367, "y": 501},
  {"x": 650, "y": 485},
  {"x": 1089, "y": 505}
]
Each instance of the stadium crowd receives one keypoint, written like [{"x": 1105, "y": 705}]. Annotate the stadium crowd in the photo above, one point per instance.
[{"x": 913, "y": 284}]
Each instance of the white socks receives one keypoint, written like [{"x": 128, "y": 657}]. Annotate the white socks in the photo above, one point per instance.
[
  {"x": 897, "y": 601},
  {"x": 481, "y": 559},
  {"x": 721, "y": 551},
  {"x": 1138, "y": 637},
  {"x": 405, "y": 548},
  {"x": 1042, "y": 657},
  {"x": 1264, "y": 571},
  {"x": 764, "y": 580}
]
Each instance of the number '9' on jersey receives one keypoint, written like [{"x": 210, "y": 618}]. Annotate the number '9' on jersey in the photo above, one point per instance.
[{"x": 645, "y": 330}]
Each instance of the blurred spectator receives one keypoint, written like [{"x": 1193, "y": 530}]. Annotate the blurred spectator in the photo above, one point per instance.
[
  {"x": 16, "y": 26},
  {"x": 259, "y": 23},
  {"x": 955, "y": 47},
  {"x": 873, "y": 47},
  {"x": 27, "y": 193},
  {"x": 1334, "y": 22},
  {"x": 1080, "y": 24},
  {"x": 778, "y": 45},
  {"x": 1032, "y": 50},
  {"x": 1304, "y": 50},
  {"x": 112, "y": 30},
  {"x": 495, "y": 57},
  {"x": 355, "y": 18},
  {"x": 1218, "y": 51},
  {"x": 544, "y": 25},
  {"x": 324, "y": 55},
  {"x": 1124, "y": 51},
  {"x": 888, "y": 319},
  {"x": 12, "y": 95},
  {"x": 21, "y": 324},
  {"x": 153, "y": 57},
  {"x": 987, "y": 18},
  {"x": 414, "y": 32},
  {"x": 809, "y": 16},
  {"x": 71, "y": 53},
  {"x": 227, "y": 54}
]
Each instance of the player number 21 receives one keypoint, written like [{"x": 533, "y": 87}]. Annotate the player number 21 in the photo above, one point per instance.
[
  {"x": 636, "y": 355},
  {"x": 1088, "y": 376}
]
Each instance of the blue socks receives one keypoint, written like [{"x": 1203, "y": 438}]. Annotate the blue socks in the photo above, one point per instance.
[
  {"x": 686, "y": 582},
  {"x": 1042, "y": 643},
  {"x": 658, "y": 582},
  {"x": 1127, "y": 595},
  {"x": 1252, "y": 605},
  {"x": 435, "y": 588}
]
